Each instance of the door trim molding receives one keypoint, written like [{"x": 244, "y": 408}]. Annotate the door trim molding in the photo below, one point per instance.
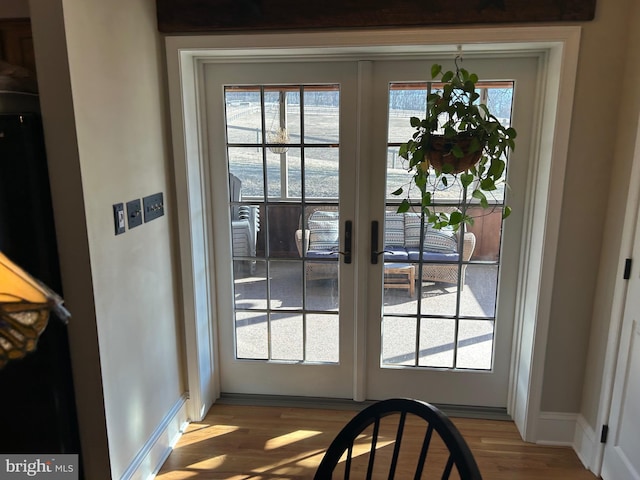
[
  {"x": 540, "y": 233},
  {"x": 185, "y": 56},
  {"x": 194, "y": 234}
]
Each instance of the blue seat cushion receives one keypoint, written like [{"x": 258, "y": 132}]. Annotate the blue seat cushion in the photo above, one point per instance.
[
  {"x": 395, "y": 253},
  {"x": 325, "y": 254},
  {"x": 414, "y": 255}
]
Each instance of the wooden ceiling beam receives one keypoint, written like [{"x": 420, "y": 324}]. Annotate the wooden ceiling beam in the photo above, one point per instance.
[{"x": 210, "y": 16}]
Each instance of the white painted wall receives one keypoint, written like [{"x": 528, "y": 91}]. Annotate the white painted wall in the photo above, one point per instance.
[{"x": 102, "y": 89}]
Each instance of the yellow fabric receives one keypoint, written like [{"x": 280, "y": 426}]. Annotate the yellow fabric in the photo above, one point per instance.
[
  {"x": 24, "y": 311},
  {"x": 17, "y": 285}
]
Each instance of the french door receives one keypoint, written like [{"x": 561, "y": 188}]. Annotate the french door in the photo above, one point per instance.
[
  {"x": 283, "y": 147},
  {"x": 450, "y": 343},
  {"x": 303, "y": 160}
]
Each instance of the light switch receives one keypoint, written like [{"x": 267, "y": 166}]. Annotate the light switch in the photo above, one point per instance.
[
  {"x": 153, "y": 206},
  {"x": 118, "y": 218},
  {"x": 134, "y": 213}
]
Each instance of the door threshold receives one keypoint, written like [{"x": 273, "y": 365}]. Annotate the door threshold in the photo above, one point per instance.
[{"x": 460, "y": 411}]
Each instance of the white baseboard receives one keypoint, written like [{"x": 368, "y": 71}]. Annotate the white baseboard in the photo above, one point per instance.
[
  {"x": 155, "y": 451},
  {"x": 556, "y": 428},
  {"x": 571, "y": 430},
  {"x": 587, "y": 445}
]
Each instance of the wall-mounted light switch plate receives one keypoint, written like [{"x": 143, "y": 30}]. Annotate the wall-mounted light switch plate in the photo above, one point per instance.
[
  {"x": 153, "y": 206},
  {"x": 118, "y": 218},
  {"x": 134, "y": 213}
]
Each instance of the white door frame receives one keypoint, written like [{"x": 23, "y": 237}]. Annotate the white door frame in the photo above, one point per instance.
[{"x": 560, "y": 46}]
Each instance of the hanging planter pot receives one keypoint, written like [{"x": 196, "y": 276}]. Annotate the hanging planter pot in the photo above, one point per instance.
[
  {"x": 277, "y": 141},
  {"x": 441, "y": 153}
]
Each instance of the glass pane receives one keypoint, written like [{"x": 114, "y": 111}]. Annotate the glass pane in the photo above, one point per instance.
[
  {"x": 245, "y": 225},
  {"x": 451, "y": 192},
  {"x": 398, "y": 341},
  {"x": 323, "y": 232},
  {"x": 244, "y": 118},
  {"x": 286, "y": 336},
  {"x": 322, "y": 289},
  {"x": 406, "y": 100},
  {"x": 321, "y": 109},
  {"x": 322, "y": 338},
  {"x": 437, "y": 341},
  {"x": 398, "y": 176},
  {"x": 293, "y": 116},
  {"x": 396, "y": 302},
  {"x": 285, "y": 238},
  {"x": 439, "y": 298},
  {"x": 499, "y": 102},
  {"x": 276, "y": 185},
  {"x": 252, "y": 335},
  {"x": 321, "y": 212},
  {"x": 284, "y": 174},
  {"x": 495, "y": 197},
  {"x": 275, "y": 261},
  {"x": 475, "y": 344},
  {"x": 246, "y": 164},
  {"x": 399, "y": 287},
  {"x": 293, "y": 174},
  {"x": 322, "y": 238},
  {"x": 478, "y": 298},
  {"x": 321, "y": 172},
  {"x": 285, "y": 284},
  {"x": 487, "y": 229},
  {"x": 250, "y": 291}
]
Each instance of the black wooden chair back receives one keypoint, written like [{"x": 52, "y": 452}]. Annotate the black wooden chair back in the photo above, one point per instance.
[{"x": 371, "y": 445}]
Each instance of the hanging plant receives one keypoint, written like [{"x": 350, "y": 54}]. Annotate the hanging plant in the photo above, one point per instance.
[
  {"x": 278, "y": 140},
  {"x": 458, "y": 140}
]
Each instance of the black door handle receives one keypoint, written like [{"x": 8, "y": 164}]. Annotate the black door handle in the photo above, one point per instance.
[
  {"x": 347, "y": 241},
  {"x": 374, "y": 243}
]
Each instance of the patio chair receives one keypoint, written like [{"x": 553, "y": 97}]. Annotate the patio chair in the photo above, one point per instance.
[
  {"x": 402, "y": 243},
  {"x": 245, "y": 223},
  {"x": 319, "y": 240}
]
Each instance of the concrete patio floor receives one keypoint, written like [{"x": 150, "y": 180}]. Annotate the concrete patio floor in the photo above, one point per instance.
[{"x": 279, "y": 331}]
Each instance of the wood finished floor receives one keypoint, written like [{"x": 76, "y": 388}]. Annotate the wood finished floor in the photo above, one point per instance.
[{"x": 238, "y": 442}]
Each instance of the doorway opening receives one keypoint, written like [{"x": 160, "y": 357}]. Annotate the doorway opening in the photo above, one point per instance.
[{"x": 186, "y": 56}]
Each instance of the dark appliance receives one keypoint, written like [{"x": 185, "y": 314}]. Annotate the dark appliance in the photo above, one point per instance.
[{"x": 37, "y": 406}]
